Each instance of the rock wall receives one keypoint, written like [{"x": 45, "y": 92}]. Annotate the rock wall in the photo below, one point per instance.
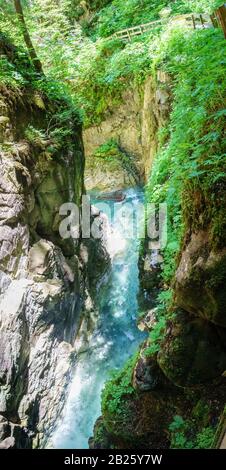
[
  {"x": 195, "y": 338},
  {"x": 46, "y": 288},
  {"x": 133, "y": 125}
]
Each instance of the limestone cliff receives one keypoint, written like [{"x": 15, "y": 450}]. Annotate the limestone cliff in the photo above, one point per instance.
[
  {"x": 133, "y": 125},
  {"x": 46, "y": 287}
]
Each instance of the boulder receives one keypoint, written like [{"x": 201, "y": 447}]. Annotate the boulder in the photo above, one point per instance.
[
  {"x": 147, "y": 374},
  {"x": 148, "y": 320},
  {"x": 7, "y": 443}
]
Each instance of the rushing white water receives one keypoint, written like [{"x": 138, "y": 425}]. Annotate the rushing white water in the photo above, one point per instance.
[{"x": 115, "y": 338}]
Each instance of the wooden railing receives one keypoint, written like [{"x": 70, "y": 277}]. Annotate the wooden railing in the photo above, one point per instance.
[
  {"x": 128, "y": 33},
  {"x": 195, "y": 21}
]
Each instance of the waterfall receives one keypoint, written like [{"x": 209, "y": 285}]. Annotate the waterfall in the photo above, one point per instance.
[{"x": 114, "y": 339}]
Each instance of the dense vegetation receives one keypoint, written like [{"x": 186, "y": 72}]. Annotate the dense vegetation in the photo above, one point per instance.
[{"x": 94, "y": 71}]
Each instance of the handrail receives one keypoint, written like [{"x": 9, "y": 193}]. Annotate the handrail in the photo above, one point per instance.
[{"x": 193, "y": 20}]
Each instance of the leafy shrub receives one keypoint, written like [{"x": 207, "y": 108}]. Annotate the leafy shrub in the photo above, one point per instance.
[
  {"x": 185, "y": 434},
  {"x": 107, "y": 150},
  {"x": 204, "y": 438},
  {"x": 117, "y": 389},
  {"x": 155, "y": 337},
  {"x": 119, "y": 15},
  {"x": 178, "y": 429}
]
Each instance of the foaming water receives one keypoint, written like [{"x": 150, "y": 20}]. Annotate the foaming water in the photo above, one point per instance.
[{"x": 115, "y": 338}]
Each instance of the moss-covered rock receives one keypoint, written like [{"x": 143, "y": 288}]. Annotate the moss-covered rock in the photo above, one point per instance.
[
  {"x": 147, "y": 374},
  {"x": 111, "y": 167},
  {"x": 200, "y": 280},
  {"x": 192, "y": 351},
  {"x": 101, "y": 438},
  {"x": 137, "y": 416}
]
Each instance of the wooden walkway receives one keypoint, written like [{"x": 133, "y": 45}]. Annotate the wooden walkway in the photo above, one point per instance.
[{"x": 195, "y": 21}]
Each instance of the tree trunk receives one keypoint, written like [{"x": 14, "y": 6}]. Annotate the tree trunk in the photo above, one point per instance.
[
  {"x": 221, "y": 14},
  {"x": 34, "y": 58}
]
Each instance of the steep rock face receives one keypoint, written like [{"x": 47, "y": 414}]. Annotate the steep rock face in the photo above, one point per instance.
[
  {"x": 193, "y": 351},
  {"x": 112, "y": 172},
  {"x": 133, "y": 125},
  {"x": 45, "y": 284},
  {"x": 200, "y": 279}
]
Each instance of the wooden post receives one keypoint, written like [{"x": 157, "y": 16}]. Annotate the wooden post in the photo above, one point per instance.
[
  {"x": 193, "y": 21},
  {"x": 214, "y": 20},
  {"x": 202, "y": 22},
  {"x": 221, "y": 15}
]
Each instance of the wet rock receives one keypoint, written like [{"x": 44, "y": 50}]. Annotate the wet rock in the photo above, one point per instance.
[
  {"x": 103, "y": 175},
  {"x": 147, "y": 374},
  {"x": 4, "y": 120},
  {"x": 4, "y": 428},
  {"x": 7, "y": 443},
  {"x": 47, "y": 260},
  {"x": 148, "y": 321},
  {"x": 117, "y": 196},
  {"x": 150, "y": 269}
]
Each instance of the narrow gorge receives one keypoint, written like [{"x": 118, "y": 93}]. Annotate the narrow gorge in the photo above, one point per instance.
[{"x": 117, "y": 339}]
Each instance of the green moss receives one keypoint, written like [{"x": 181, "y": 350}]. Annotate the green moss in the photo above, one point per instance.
[
  {"x": 204, "y": 438},
  {"x": 109, "y": 152}
]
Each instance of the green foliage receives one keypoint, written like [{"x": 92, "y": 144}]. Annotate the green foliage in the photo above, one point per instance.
[
  {"x": 178, "y": 429},
  {"x": 191, "y": 160},
  {"x": 207, "y": 6},
  {"x": 186, "y": 434},
  {"x": 9, "y": 74},
  {"x": 116, "y": 389},
  {"x": 15, "y": 68},
  {"x": 163, "y": 302},
  {"x": 155, "y": 337},
  {"x": 102, "y": 73},
  {"x": 35, "y": 136},
  {"x": 204, "y": 438},
  {"x": 119, "y": 15},
  {"x": 107, "y": 150}
]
